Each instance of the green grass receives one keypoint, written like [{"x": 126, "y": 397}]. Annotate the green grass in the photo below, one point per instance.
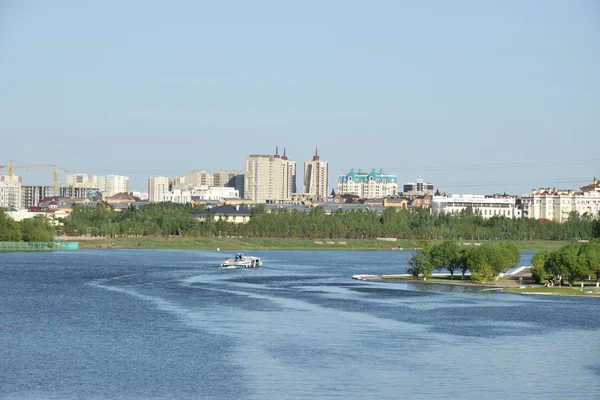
[{"x": 212, "y": 243}]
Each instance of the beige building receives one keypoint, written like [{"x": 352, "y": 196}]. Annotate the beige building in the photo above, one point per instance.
[
  {"x": 556, "y": 205},
  {"x": 158, "y": 188},
  {"x": 197, "y": 178},
  {"x": 315, "y": 177},
  {"x": 269, "y": 178}
]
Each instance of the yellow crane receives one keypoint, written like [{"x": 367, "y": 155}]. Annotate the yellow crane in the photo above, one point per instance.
[{"x": 35, "y": 167}]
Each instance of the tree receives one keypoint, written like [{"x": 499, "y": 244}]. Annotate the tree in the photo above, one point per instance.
[
  {"x": 447, "y": 255},
  {"x": 10, "y": 230},
  {"x": 37, "y": 229},
  {"x": 421, "y": 263},
  {"x": 596, "y": 228},
  {"x": 589, "y": 256},
  {"x": 538, "y": 270}
]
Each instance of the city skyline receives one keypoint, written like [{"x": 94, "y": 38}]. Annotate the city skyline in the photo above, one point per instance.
[
  {"x": 474, "y": 97},
  {"x": 485, "y": 187}
]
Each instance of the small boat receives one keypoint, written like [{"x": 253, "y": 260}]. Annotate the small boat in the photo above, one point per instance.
[{"x": 241, "y": 260}]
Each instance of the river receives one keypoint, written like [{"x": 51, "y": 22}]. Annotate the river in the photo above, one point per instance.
[{"x": 160, "y": 324}]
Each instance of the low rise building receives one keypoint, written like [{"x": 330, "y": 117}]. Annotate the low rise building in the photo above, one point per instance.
[{"x": 486, "y": 206}]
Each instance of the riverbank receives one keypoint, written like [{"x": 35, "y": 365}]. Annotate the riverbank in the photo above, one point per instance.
[
  {"x": 237, "y": 243},
  {"x": 509, "y": 284}
]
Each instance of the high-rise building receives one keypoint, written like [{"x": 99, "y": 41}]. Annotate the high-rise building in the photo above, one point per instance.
[
  {"x": 113, "y": 184},
  {"x": 269, "y": 178},
  {"x": 10, "y": 192},
  {"x": 315, "y": 177},
  {"x": 158, "y": 188},
  {"x": 231, "y": 179},
  {"x": 31, "y": 196},
  {"x": 372, "y": 184}
]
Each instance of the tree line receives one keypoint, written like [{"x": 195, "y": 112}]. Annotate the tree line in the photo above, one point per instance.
[
  {"x": 578, "y": 261},
  {"x": 485, "y": 262},
  {"x": 37, "y": 229},
  {"x": 166, "y": 219}
]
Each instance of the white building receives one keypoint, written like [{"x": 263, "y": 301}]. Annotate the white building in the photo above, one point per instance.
[
  {"x": 10, "y": 192},
  {"x": 374, "y": 184},
  {"x": 113, "y": 184},
  {"x": 178, "y": 196},
  {"x": 269, "y": 178},
  {"x": 215, "y": 193},
  {"x": 556, "y": 205},
  {"x": 157, "y": 188},
  {"x": 316, "y": 174},
  {"x": 487, "y": 207}
]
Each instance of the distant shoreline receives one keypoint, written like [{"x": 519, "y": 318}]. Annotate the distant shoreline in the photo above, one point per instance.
[
  {"x": 258, "y": 243},
  {"x": 507, "y": 285}
]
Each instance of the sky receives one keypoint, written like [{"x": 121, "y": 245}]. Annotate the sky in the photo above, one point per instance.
[{"x": 473, "y": 96}]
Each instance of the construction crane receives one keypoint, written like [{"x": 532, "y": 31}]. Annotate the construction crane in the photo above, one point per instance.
[{"x": 35, "y": 167}]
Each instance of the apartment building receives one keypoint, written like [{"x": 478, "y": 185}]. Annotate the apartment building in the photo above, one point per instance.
[
  {"x": 269, "y": 178},
  {"x": 31, "y": 196},
  {"x": 158, "y": 187},
  {"x": 316, "y": 173},
  {"x": 557, "y": 205},
  {"x": 10, "y": 192},
  {"x": 113, "y": 184},
  {"x": 374, "y": 184}
]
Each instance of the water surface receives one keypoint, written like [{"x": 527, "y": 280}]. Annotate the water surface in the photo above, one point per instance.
[{"x": 159, "y": 324}]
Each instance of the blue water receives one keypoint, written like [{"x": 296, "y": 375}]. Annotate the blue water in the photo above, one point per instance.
[{"x": 157, "y": 324}]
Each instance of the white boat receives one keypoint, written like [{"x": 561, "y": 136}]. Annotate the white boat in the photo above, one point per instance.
[{"x": 241, "y": 260}]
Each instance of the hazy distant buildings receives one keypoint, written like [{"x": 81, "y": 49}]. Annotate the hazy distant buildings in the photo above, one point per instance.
[
  {"x": 374, "y": 184},
  {"x": 557, "y": 205},
  {"x": 83, "y": 180},
  {"x": 315, "y": 177},
  {"x": 198, "y": 178},
  {"x": 269, "y": 178},
  {"x": 229, "y": 179},
  {"x": 84, "y": 185},
  {"x": 486, "y": 206},
  {"x": 158, "y": 187}
]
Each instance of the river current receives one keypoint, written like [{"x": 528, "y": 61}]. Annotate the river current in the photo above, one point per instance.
[{"x": 159, "y": 324}]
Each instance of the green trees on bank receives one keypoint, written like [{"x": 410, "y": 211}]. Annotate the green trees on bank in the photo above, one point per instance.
[
  {"x": 163, "y": 219},
  {"x": 573, "y": 262},
  {"x": 485, "y": 262},
  {"x": 37, "y": 229}
]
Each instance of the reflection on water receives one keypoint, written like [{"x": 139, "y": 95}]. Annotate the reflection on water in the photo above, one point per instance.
[{"x": 172, "y": 324}]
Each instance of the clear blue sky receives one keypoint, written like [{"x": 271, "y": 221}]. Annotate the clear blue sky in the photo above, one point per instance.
[{"x": 475, "y": 96}]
